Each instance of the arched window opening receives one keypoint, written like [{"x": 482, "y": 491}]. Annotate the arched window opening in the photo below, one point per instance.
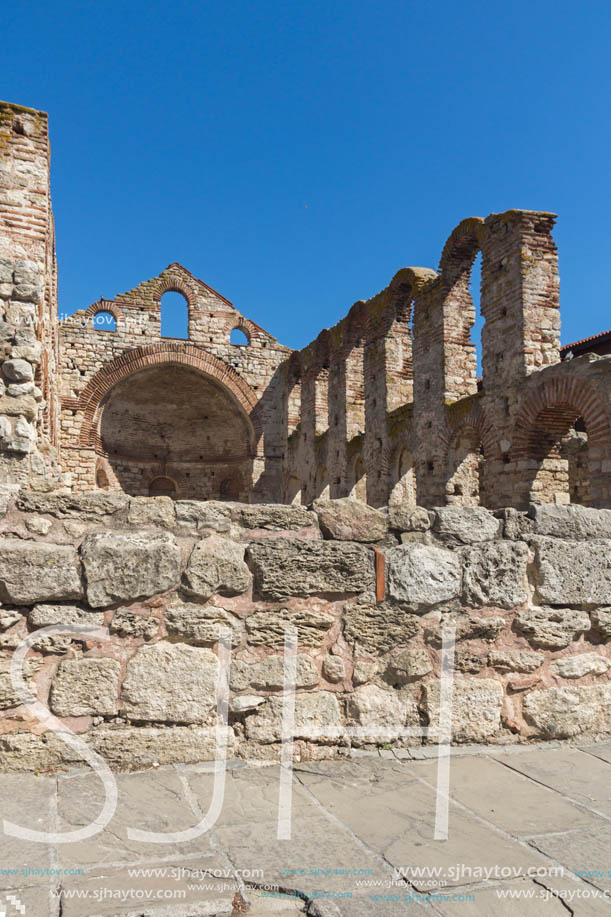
[
  {"x": 293, "y": 491},
  {"x": 465, "y": 485},
  {"x": 104, "y": 321},
  {"x": 162, "y": 487},
  {"x": 230, "y": 489},
  {"x": 404, "y": 474},
  {"x": 322, "y": 483},
  {"x": 475, "y": 287},
  {"x": 359, "y": 488},
  {"x": 174, "y": 315},
  {"x": 239, "y": 338},
  {"x": 559, "y": 446},
  {"x": 101, "y": 480}
]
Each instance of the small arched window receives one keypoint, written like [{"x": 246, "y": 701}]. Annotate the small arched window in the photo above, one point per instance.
[
  {"x": 239, "y": 338},
  {"x": 162, "y": 487},
  {"x": 174, "y": 316},
  {"x": 104, "y": 321}
]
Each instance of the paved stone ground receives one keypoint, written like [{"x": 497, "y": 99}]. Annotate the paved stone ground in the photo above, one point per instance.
[{"x": 355, "y": 822}]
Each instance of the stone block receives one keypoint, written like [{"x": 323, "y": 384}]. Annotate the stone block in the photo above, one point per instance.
[
  {"x": 350, "y": 520},
  {"x": 561, "y": 713},
  {"x": 465, "y": 524},
  {"x": 216, "y": 566},
  {"x": 515, "y": 660},
  {"x": 84, "y": 506},
  {"x": 170, "y": 683},
  {"x": 32, "y": 573},
  {"x": 404, "y": 517},
  {"x": 267, "y": 628},
  {"x": 47, "y": 615},
  {"x": 579, "y": 665},
  {"x": 476, "y": 708},
  {"x": 127, "y": 623},
  {"x": 385, "y": 711},
  {"x": 601, "y": 620},
  {"x": 138, "y": 747},
  {"x": 573, "y": 572},
  {"x": 552, "y": 628},
  {"x": 573, "y": 521},
  {"x": 8, "y": 696},
  {"x": 410, "y": 664},
  {"x": 319, "y": 710},
  {"x": 374, "y": 629},
  {"x": 122, "y": 567},
  {"x": 286, "y": 567},
  {"x": 152, "y": 511},
  {"x": 197, "y": 624},
  {"x": 423, "y": 576},
  {"x": 202, "y": 514},
  {"x": 268, "y": 674},
  {"x": 273, "y": 516},
  {"x": 18, "y": 370},
  {"x": 86, "y": 686},
  {"x": 333, "y": 669},
  {"x": 495, "y": 574}
]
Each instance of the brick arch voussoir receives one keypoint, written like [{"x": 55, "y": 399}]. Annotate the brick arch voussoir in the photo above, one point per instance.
[
  {"x": 153, "y": 355},
  {"x": 477, "y": 421},
  {"x": 554, "y": 393}
]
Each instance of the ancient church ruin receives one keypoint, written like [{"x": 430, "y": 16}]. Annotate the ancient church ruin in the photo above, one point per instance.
[{"x": 386, "y": 406}]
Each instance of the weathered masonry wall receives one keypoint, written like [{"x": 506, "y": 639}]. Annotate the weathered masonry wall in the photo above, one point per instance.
[
  {"x": 28, "y": 302},
  {"x": 529, "y": 595}
]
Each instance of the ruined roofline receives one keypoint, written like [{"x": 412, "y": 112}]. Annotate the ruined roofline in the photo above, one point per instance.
[{"x": 13, "y": 106}]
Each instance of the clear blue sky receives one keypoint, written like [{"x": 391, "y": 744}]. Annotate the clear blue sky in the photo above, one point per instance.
[{"x": 295, "y": 156}]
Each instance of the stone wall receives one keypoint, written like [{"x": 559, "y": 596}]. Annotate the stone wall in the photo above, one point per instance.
[
  {"x": 368, "y": 590},
  {"x": 28, "y": 303}
]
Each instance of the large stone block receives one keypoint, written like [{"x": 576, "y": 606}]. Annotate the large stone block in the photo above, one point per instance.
[
  {"x": 573, "y": 572},
  {"x": 601, "y": 619},
  {"x": 86, "y": 686},
  {"x": 551, "y": 628},
  {"x": 410, "y": 664},
  {"x": 197, "y": 624},
  {"x": 350, "y": 520},
  {"x": 268, "y": 674},
  {"x": 495, "y": 574},
  {"x": 152, "y": 511},
  {"x": 405, "y": 517},
  {"x": 267, "y": 628},
  {"x": 170, "y": 683},
  {"x": 85, "y": 506},
  {"x": 374, "y": 629},
  {"x": 216, "y": 565},
  {"x": 31, "y": 573},
  {"x": 286, "y": 567},
  {"x": 128, "y": 623},
  {"x": 138, "y": 747},
  {"x": 467, "y": 627},
  {"x": 465, "y": 524},
  {"x": 572, "y": 521},
  {"x": 121, "y": 566},
  {"x": 318, "y": 710},
  {"x": 422, "y": 576},
  {"x": 515, "y": 660},
  {"x": 273, "y": 516},
  {"x": 560, "y": 713},
  {"x": 200, "y": 514},
  {"x": 383, "y": 711},
  {"x": 476, "y": 708}
]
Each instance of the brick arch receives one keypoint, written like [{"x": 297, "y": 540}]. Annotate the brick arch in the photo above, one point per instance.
[
  {"x": 169, "y": 352},
  {"x": 572, "y": 396},
  {"x": 174, "y": 284},
  {"x": 460, "y": 250},
  {"x": 476, "y": 420},
  {"x": 105, "y": 305}
]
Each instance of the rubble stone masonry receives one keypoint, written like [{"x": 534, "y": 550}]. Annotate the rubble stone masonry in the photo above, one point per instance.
[{"x": 529, "y": 596}]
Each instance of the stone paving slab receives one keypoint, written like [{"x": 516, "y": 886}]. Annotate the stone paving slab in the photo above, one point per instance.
[
  {"x": 568, "y": 771},
  {"x": 506, "y": 798},
  {"x": 355, "y": 823}
]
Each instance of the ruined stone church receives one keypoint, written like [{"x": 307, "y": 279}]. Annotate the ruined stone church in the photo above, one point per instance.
[{"x": 386, "y": 406}]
